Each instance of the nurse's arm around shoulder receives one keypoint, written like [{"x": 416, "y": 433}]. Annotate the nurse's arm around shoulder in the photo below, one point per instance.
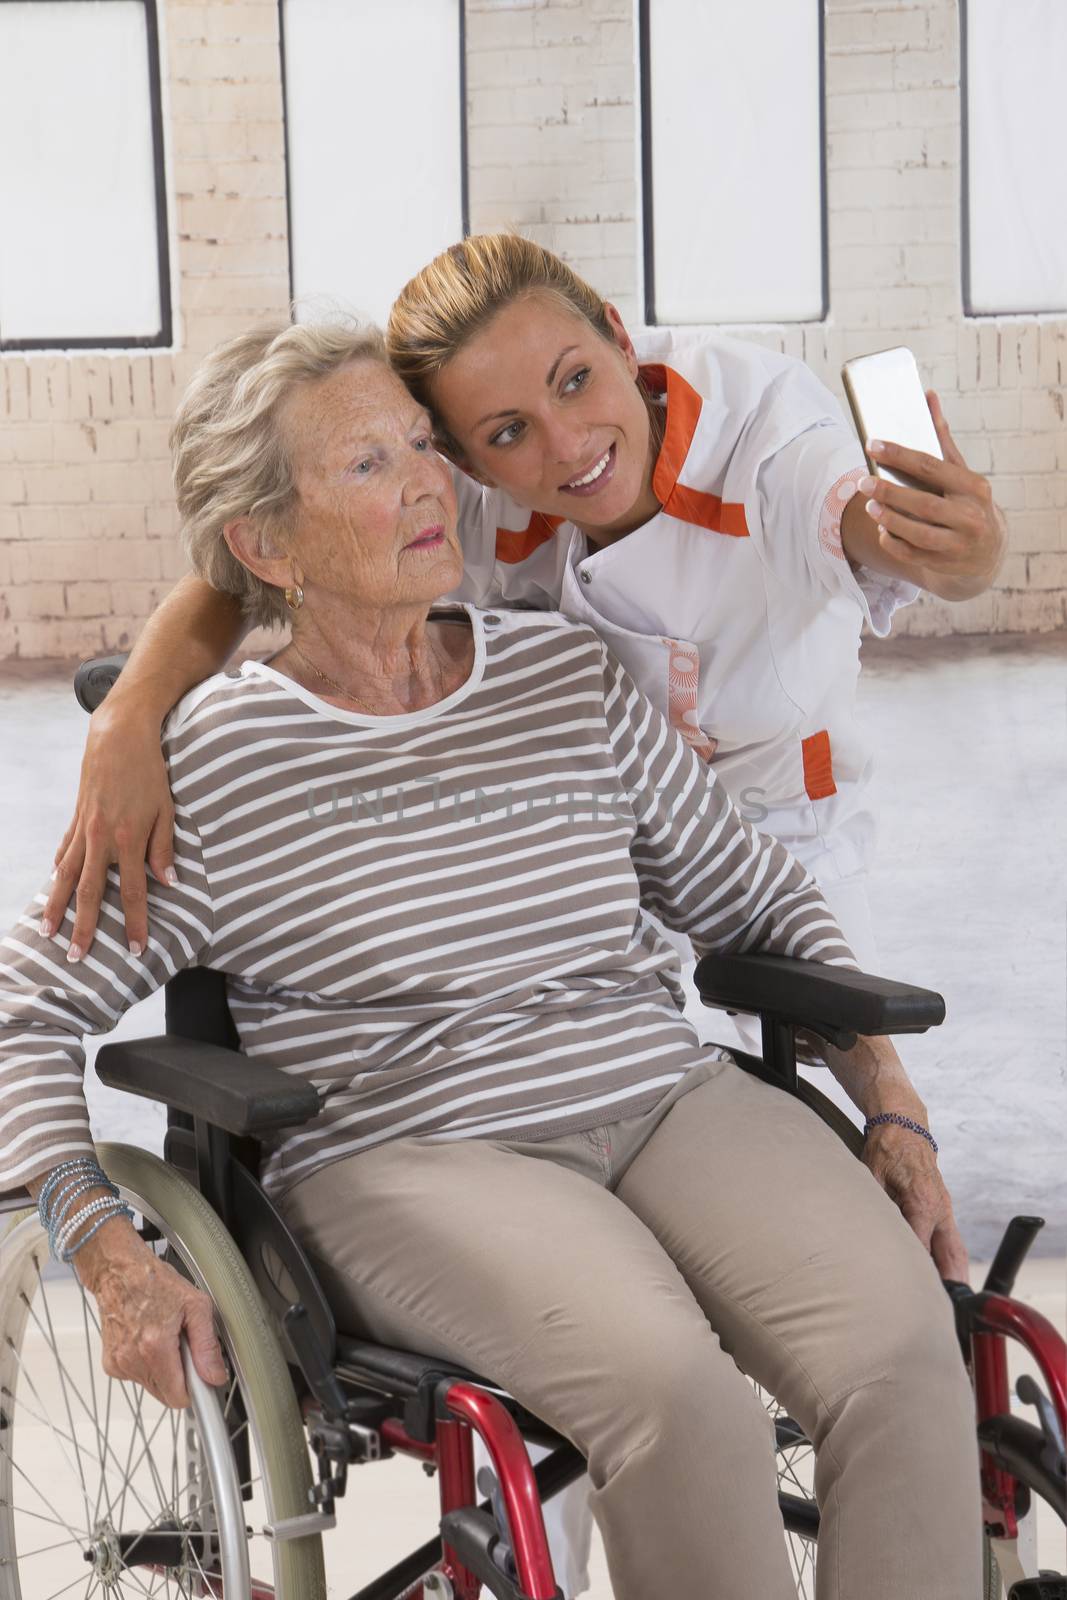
[{"x": 949, "y": 539}]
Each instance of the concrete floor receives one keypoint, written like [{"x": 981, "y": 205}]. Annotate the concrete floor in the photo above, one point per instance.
[
  {"x": 968, "y": 894},
  {"x": 968, "y": 899}
]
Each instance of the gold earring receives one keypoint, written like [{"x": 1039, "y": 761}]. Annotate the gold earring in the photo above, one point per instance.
[{"x": 294, "y": 595}]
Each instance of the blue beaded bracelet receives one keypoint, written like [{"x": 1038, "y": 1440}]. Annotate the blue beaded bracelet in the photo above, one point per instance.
[
  {"x": 77, "y": 1166},
  {"x": 902, "y": 1122}
]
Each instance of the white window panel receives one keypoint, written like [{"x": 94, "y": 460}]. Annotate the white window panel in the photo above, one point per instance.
[
  {"x": 1016, "y": 158},
  {"x": 733, "y": 98},
  {"x": 79, "y": 233},
  {"x": 374, "y": 118}
]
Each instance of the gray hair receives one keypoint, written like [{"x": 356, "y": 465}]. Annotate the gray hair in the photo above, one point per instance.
[{"x": 228, "y": 454}]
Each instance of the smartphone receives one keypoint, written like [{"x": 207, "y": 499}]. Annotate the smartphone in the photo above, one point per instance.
[{"x": 888, "y": 402}]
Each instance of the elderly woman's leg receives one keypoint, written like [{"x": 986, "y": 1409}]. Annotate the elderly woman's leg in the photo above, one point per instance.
[
  {"x": 543, "y": 1281},
  {"x": 820, "y": 1290}
]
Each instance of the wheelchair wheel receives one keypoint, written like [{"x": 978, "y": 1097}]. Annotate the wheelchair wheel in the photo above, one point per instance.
[{"x": 106, "y": 1492}]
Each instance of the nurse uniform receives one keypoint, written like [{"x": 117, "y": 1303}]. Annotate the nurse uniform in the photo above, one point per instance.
[{"x": 734, "y": 609}]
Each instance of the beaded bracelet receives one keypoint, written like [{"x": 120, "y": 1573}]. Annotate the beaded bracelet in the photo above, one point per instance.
[
  {"x": 71, "y": 1194},
  {"x": 112, "y": 1207},
  {"x": 83, "y": 1165},
  {"x": 902, "y": 1122},
  {"x": 120, "y": 1209},
  {"x": 58, "y": 1208}
]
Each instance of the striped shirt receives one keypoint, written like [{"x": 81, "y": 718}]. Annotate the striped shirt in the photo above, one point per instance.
[{"x": 438, "y": 918}]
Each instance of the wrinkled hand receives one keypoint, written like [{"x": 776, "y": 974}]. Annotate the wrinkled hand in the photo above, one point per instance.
[
  {"x": 144, "y": 1307},
  {"x": 956, "y": 536},
  {"x": 124, "y": 813},
  {"x": 906, "y": 1167}
]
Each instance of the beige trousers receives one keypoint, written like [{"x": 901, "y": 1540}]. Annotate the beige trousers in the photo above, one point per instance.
[{"x": 616, "y": 1284}]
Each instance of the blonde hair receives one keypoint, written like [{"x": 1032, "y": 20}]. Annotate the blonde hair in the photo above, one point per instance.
[
  {"x": 462, "y": 289},
  {"x": 229, "y": 457}
]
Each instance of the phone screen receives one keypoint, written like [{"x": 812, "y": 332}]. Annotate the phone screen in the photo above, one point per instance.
[{"x": 888, "y": 402}]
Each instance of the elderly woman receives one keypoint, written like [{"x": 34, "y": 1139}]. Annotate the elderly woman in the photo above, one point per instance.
[{"x": 421, "y": 844}]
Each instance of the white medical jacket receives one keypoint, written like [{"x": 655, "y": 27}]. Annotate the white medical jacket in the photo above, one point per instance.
[{"x": 735, "y": 609}]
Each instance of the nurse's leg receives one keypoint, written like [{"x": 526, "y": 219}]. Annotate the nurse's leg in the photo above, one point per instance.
[
  {"x": 819, "y": 1289},
  {"x": 566, "y": 1299}
]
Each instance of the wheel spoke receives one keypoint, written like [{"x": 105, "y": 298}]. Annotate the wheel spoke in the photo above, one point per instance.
[
  {"x": 45, "y": 1420},
  {"x": 61, "y": 1522},
  {"x": 81, "y": 1400},
  {"x": 42, "y": 1550},
  {"x": 101, "y": 1488},
  {"x": 63, "y": 1384}
]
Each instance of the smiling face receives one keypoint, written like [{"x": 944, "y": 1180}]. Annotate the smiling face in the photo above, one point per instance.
[
  {"x": 374, "y": 522},
  {"x": 544, "y": 407}
]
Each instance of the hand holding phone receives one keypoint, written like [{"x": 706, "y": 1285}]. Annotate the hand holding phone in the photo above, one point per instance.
[
  {"x": 935, "y": 517},
  {"x": 888, "y": 403}
]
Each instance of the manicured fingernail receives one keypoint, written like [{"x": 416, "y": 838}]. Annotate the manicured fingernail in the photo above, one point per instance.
[
  {"x": 136, "y": 947},
  {"x": 873, "y": 509},
  {"x": 171, "y": 876},
  {"x": 74, "y": 952},
  {"x": 47, "y": 928},
  {"x": 875, "y": 447},
  {"x": 55, "y": 874},
  {"x": 867, "y": 485}
]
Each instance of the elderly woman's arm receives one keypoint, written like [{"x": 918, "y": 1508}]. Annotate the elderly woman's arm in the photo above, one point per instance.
[
  {"x": 707, "y": 872},
  {"x": 46, "y": 1007},
  {"x": 123, "y": 812}
]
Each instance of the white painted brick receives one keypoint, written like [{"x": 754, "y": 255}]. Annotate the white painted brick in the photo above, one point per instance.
[
  {"x": 1047, "y": 570},
  {"x": 1025, "y": 452},
  {"x": 14, "y": 388}
]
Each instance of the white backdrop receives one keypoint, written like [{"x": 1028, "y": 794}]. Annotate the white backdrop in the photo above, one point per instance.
[
  {"x": 373, "y": 115},
  {"x": 78, "y": 245}
]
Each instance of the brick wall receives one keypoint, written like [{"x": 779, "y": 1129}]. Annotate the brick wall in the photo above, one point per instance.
[{"x": 87, "y": 527}]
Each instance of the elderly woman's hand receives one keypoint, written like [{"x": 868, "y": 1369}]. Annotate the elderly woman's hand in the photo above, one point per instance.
[
  {"x": 144, "y": 1308},
  {"x": 906, "y": 1167},
  {"x": 123, "y": 814}
]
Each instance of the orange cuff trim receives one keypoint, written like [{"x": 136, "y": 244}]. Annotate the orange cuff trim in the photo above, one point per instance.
[
  {"x": 516, "y": 544},
  {"x": 818, "y": 766}
]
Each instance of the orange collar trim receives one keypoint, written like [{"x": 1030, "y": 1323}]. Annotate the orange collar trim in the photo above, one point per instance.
[
  {"x": 517, "y": 544},
  {"x": 687, "y": 505},
  {"x": 683, "y": 413}
]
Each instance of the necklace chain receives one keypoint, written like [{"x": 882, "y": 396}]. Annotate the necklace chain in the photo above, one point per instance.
[{"x": 333, "y": 684}]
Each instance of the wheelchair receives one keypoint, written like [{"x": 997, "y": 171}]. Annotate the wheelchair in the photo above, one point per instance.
[{"x": 114, "y": 1495}]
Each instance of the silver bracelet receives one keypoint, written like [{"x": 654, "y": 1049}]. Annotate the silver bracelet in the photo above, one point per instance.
[
  {"x": 84, "y": 1165},
  {"x": 64, "y": 1235},
  {"x": 120, "y": 1209},
  {"x": 68, "y": 1196}
]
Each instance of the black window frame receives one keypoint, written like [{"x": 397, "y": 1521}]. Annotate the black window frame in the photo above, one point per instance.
[
  {"x": 644, "y": 56},
  {"x": 165, "y": 337},
  {"x": 464, "y": 164}
]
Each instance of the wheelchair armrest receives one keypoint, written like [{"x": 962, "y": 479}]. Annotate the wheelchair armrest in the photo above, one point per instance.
[
  {"x": 94, "y": 678},
  {"x": 243, "y": 1096},
  {"x": 809, "y": 994}
]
